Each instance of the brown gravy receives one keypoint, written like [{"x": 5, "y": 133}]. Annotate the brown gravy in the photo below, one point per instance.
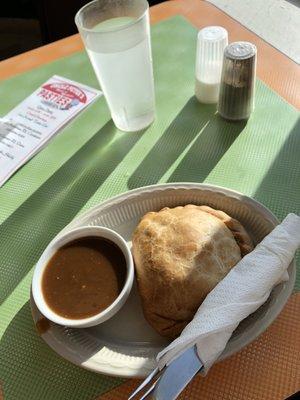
[{"x": 84, "y": 277}]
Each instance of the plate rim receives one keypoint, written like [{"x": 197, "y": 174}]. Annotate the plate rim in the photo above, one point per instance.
[
  {"x": 129, "y": 372},
  {"x": 175, "y": 185}
]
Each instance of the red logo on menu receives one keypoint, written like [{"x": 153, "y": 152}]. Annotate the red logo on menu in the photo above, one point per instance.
[{"x": 62, "y": 95}]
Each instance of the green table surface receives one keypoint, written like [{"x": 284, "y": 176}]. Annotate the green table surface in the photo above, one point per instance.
[{"x": 90, "y": 160}]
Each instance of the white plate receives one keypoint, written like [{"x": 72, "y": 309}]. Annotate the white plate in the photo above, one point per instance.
[{"x": 126, "y": 345}]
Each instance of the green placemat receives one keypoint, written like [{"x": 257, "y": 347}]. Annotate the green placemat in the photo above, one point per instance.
[{"x": 90, "y": 160}]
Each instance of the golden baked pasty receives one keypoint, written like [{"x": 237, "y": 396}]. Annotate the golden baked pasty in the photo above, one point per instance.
[{"x": 180, "y": 255}]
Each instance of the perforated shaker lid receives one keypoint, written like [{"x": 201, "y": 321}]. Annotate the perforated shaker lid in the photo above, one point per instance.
[
  {"x": 213, "y": 34},
  {"x": 240, "y": 50}
]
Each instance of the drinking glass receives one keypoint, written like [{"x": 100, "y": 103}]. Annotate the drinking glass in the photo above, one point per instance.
[{"x": 116, "y": 34}]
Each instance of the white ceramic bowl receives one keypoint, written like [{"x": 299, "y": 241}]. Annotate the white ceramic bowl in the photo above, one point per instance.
[{"x": 52, "y": 248}]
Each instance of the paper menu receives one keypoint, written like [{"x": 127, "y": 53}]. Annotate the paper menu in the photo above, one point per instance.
[{"x": 32, "y": 123}]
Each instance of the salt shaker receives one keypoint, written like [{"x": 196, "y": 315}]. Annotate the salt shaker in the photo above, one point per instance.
[
  {"x": 236, "y": 99},
  {"x": 211, "y": 43}
]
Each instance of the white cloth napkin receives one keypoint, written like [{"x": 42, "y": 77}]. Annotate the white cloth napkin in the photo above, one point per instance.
[{"x": 244, "y": 289}]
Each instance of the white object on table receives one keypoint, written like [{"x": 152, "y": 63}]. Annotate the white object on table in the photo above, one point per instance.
[
  {"x": 27, "y": 128},
  {"x": 246, "y": 287},
  {"x": 211, "y": 43},
  {"x": 125, "y": 345}
]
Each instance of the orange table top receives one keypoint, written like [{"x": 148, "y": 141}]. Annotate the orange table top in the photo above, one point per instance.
[{"x": 272, "y": 359}]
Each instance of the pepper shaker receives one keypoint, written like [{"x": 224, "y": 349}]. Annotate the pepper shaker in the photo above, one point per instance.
[{"x": 236, "y": 99}]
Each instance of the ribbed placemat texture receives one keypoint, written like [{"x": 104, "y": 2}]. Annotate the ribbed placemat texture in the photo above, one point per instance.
[{"x": 90, "y": 160}]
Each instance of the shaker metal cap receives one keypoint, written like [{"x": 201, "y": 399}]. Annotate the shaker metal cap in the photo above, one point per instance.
[{"x": 240, "y": 50}]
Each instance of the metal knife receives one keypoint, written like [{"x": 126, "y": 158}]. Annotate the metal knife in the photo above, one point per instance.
[{"x": 168, "y": 383}]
